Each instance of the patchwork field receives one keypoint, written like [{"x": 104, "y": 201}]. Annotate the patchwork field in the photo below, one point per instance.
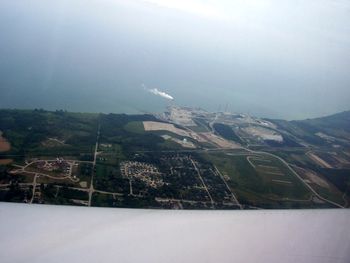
[
  {"x": 262, "y": 181},
  {"x": 219, "y": 141},
  {"x": 160, "y": 126},
  {"x": 142, "y": 161},
  {"x": 4, "y": 144},
  {"x": 319, "y": 160}
]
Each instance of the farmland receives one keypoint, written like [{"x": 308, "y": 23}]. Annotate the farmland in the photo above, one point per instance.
[{"x": 188, "y": 159}]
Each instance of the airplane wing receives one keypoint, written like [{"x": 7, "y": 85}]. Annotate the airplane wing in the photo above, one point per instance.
[{"x": 44, "y": 233}]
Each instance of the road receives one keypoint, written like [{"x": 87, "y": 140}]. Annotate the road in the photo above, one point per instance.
[
  {"x": 243, "y": 152},
  {"x": 192, "y": 202},
  {"x": 232, "y": 194},
  {"x": 34, "y": 187},
  {"x": 23, "y": 169},
  {"x": 285, "y": 163},
  {"x": 211, "y": 124},
  {"x": 205, "y": 187},
  {"x": 298, "y": 176},
  {"x": 91, "y": 189},
  {"x": 249, "y": 151}
]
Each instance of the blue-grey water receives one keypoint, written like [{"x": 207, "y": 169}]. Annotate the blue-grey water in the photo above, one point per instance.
[{"x": 93, "y": 56}]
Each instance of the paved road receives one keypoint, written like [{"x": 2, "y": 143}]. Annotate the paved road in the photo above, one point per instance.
[
  {"x": 34, "y": 187},
  {"x": 230, "y": 190},
  {"x": 228, "y": 151},
  {"x": 298, "y": 176},
  {"x": 206, "y": 188},
  {"x": 91, "y": 190}
]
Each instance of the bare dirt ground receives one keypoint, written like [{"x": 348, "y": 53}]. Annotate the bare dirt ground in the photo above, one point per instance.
[
  {"x": 83, "y": 184},
  {"x": 265, "y": 134},
  {"x": 221, "y": 142},
  {"x": 5, "y": 161},
  {"x": 267, "y": 169},
  {"x": 160, "y": 126},
  {"x": 4, "y": 144},
  {"x": 318, "y": 160},
  {"x": 313, "y": 177},
  {"x": 281, "y": 181},
  {"x": 181, "y": 116},
  {"x": 341, "y": 161},
  {"x": 53, "y": 142},
  {"x": 185, "y": 144}
]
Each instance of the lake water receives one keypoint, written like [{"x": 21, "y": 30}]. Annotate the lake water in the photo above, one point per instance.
[{"x": 94, "y": 58}]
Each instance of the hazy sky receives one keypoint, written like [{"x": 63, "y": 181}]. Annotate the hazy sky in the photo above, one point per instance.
[{"x": 287, "y": 59}]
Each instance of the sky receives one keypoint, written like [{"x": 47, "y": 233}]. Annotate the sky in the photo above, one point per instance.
[{"x": 281, "y": 59}]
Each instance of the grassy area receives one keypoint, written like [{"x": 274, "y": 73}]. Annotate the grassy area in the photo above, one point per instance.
[
  {"x": 297, "y": 157},
  {"x": 255, "y": 185},
  {"x": 265, "y": 182},
  {"x": 135, "y": 127},
  {"x": 108, "y": 178},
  {"x": 84, "y": 173},
  {"x": 105, "y": 200},
  {"x": 330, "y": 193},
  {"x": 202, "y": 124},
  {"x": 61, "y": 182},
  {"x": 226, "y": 132},
  {"x": 72, "y": 194},
  {"x": 108, "y": 200},
  {"x": 169, "y": 144},
  {"x": 111, "y": 155},
  {"x": 30, "y": 130},
  {"x": 51, "y": 194},
  {"x": 270, "y": 168},
  {"x": 198, "y": 128},
  {"x": 6, "y": 177}
]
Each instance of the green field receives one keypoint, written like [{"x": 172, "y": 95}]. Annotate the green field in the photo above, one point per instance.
[
  {"x": 108, "y": 178},
  {"x": 134, "y": 126},
  {"x": 188, "y": 177},
  {"x": 254, "y": 185}
]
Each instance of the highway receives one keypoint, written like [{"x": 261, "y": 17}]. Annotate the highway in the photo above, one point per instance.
[
  {"x": 298, "y": 176},
  {"x": 91, "y": 190},
  {"x": 230, "y": 190},
  {"x": 204, "y": 185}
]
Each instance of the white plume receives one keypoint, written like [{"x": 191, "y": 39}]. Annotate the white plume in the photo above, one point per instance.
[{"x": 157, "y": 92}]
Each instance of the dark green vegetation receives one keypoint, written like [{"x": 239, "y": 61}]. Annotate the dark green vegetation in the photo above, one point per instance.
[
  {"x": 262, "y": 181},
  {"x": 127, "y": 132},
  {"x": 288, "y": 141},
  {"x": 107, "y": 200},
  {"x": 226, "y": 132},
  {"x": 202, "y": 125},
  {"x": 340, "y": 178},
  {"x": 108, "y": 178},
  {"x": 53, "y": 194},
  {"x": 48, "y": 133},
  {"x": 53, "y": 162},
  {"x": 339, "y": 122},
  {"x": 320, "y": 131}
]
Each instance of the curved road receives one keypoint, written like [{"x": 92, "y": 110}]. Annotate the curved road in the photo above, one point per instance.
[{"x": 298, "y": 176}]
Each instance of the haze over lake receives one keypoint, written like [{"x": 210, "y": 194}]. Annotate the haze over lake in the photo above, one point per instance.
[{"x": 286, "y": 59}]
